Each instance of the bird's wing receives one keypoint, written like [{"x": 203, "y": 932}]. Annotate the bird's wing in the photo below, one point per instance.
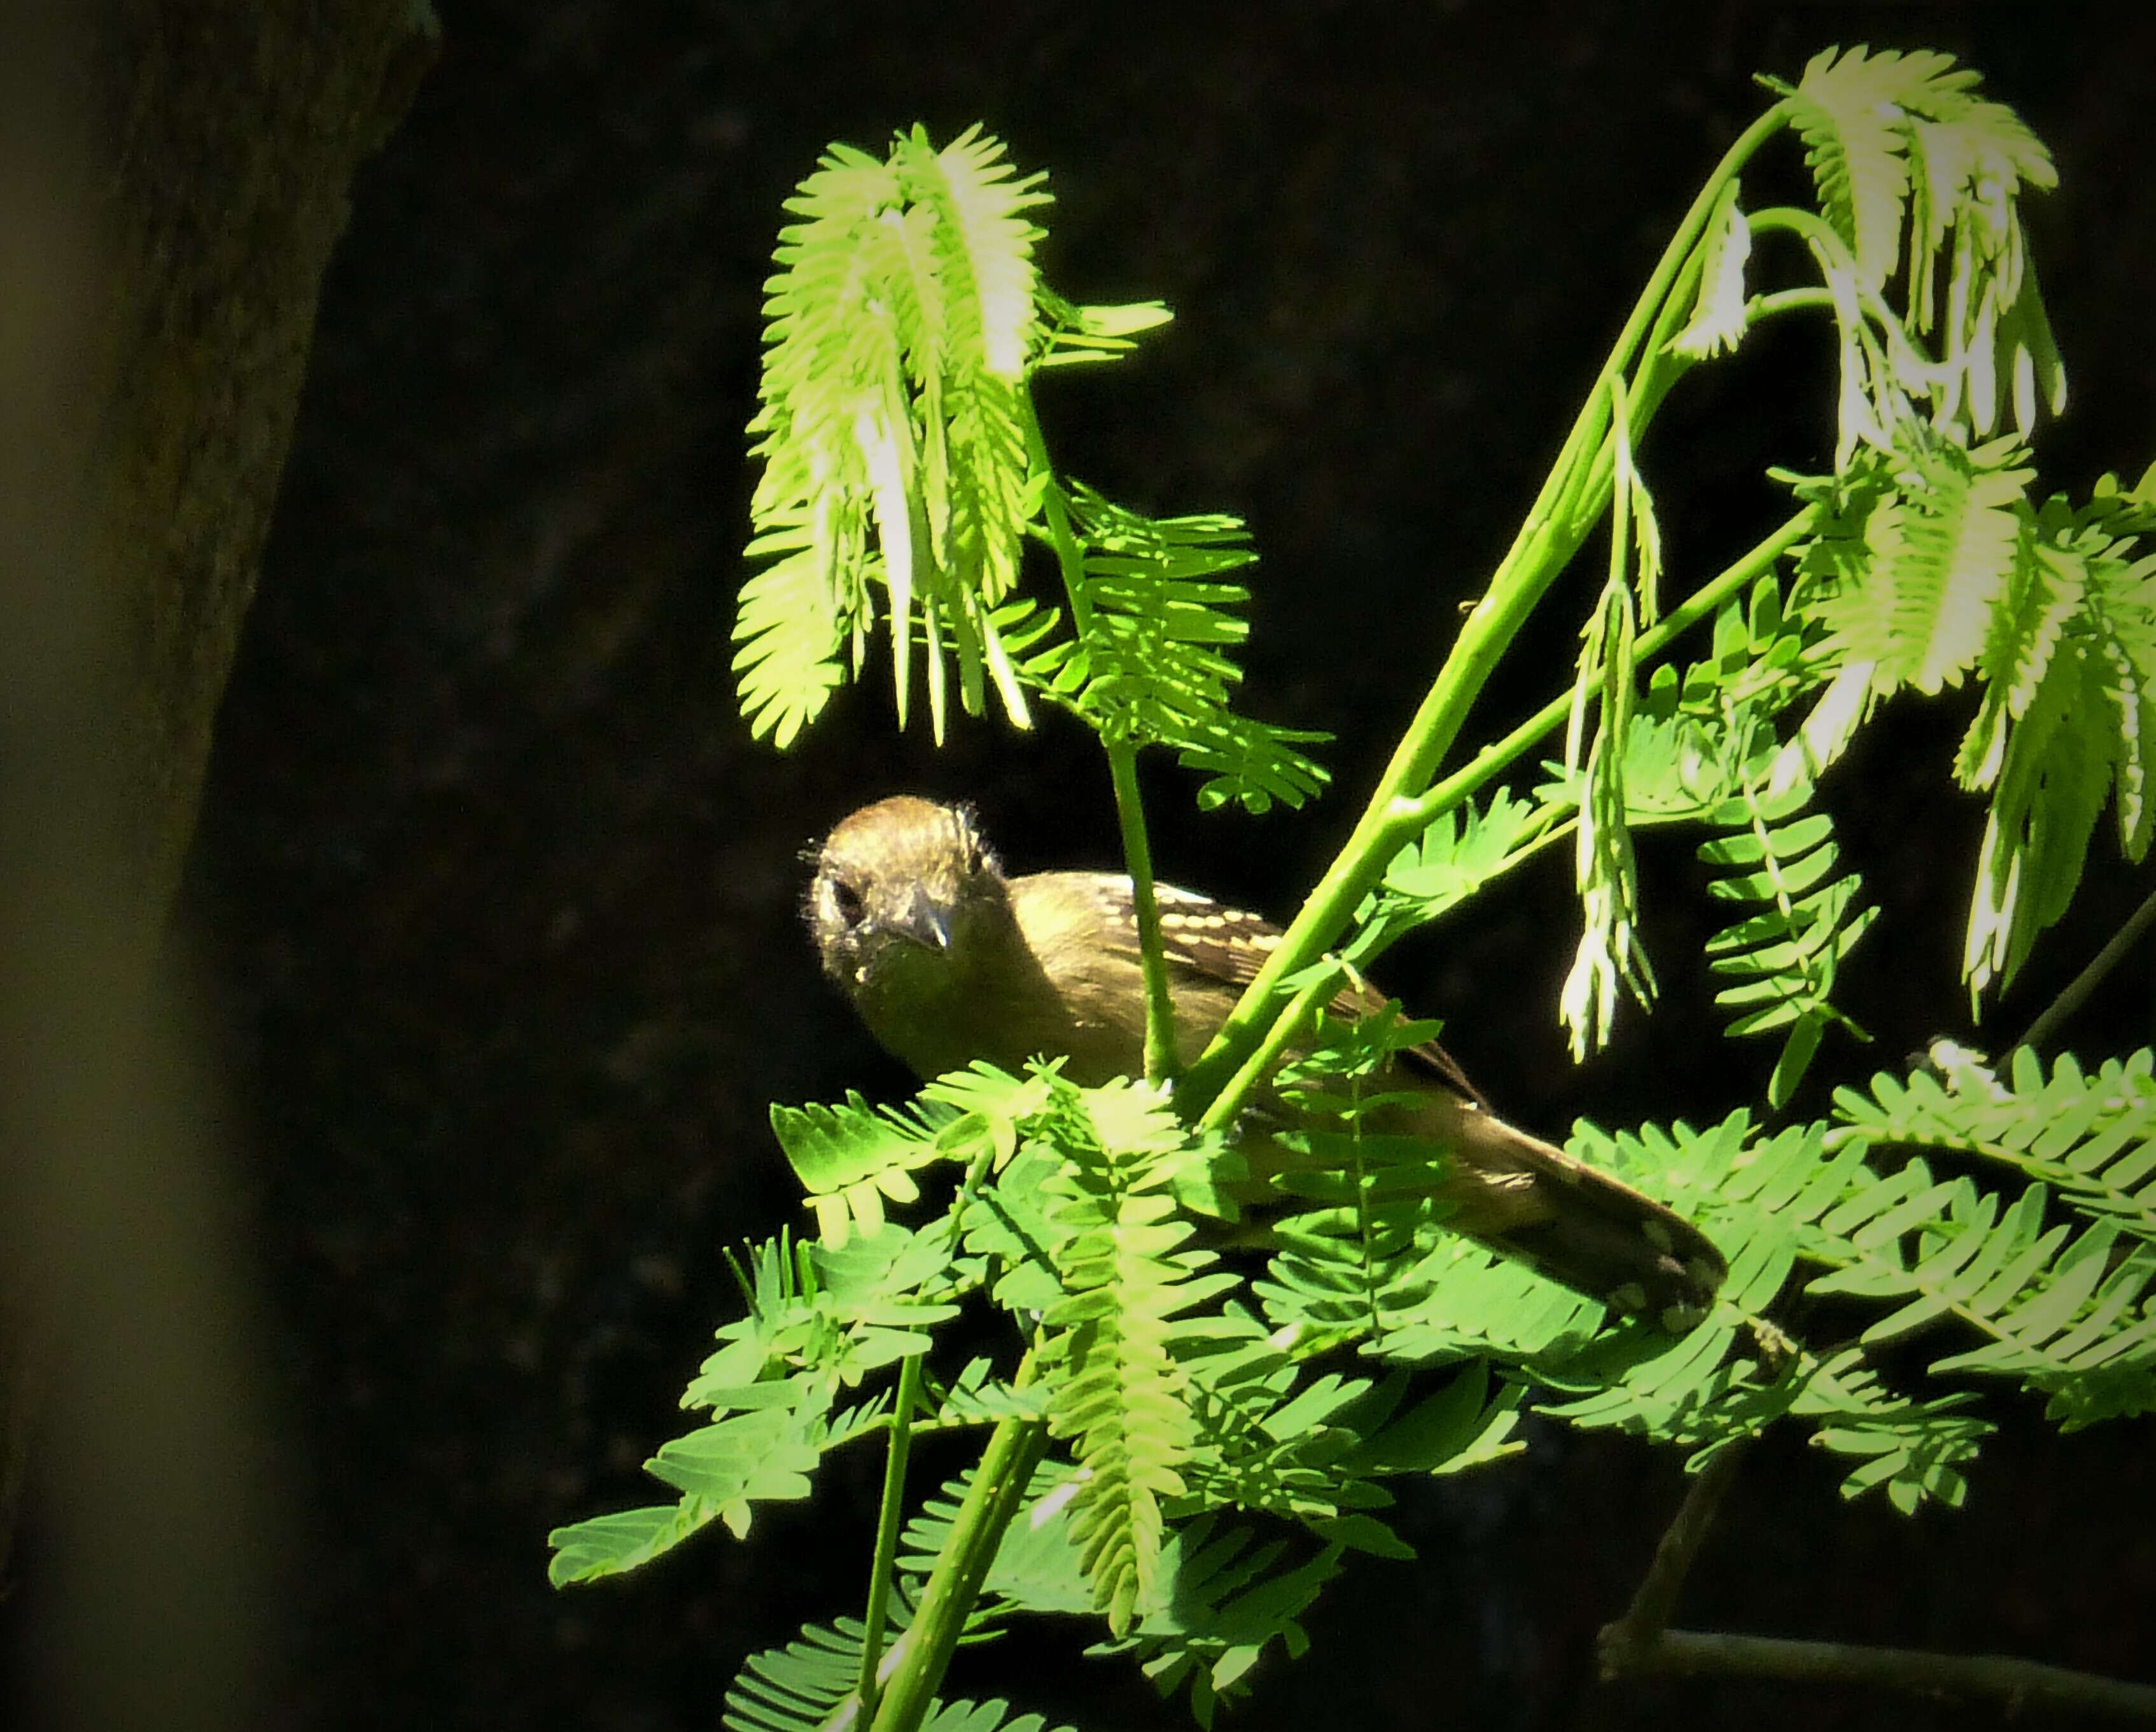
[{"x": 1231, "y": 945}]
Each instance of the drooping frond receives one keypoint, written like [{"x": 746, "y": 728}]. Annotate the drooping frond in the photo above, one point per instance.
[
  {"x": 1719, "y": 317},
  {"x": 2074, "y": 727},
  {"x": 1935, "y": 565},
  {"x": 1920, "y": 184},
  {"x": 1850, "y": 106},
  {"x": 2044, "y": 593},
  {"x": 1941, "y": 551},
  {"x": 901, "y": 323},
  {"x": 1611, "y": 950},
  {"x": 1913, "y": 171}
]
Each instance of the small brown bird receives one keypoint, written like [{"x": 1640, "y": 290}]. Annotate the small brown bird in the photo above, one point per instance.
[{"x": 948, "y": 961}]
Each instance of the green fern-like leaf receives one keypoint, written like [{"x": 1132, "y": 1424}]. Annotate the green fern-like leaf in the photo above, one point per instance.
[
  {"x": 1915, "y": 1450},
  {"x": 1464, "y": 849},
  {"x": 789, "y": 631},
  {"x": 1849, "y": 107},
  {"x": 2066, "y": 1312},
  {"x": 819, "y": 1321},
  {"x": 1079, "y": 335},
  {"x": 801, "y": 1687},
  {"x": 1768, "y": 1203},
  {"x": 2074, "y": 726},
  {"x": 1782, "y": 860},
  {"x": 849, "y": 1159},
  {"x": 809, "y": 1685},
  {"x": 1116, "y": 1390},
  {"x": 2092, "y": 1138},
  {"x": 1154, "y": 613},
  {"x": 901, "y": 321},
  {"x": 1234, "y": 1596},
  {"x": 1941, "y": 551}
]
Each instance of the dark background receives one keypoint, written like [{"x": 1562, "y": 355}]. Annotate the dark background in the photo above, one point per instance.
[{"x": 501, "y": 898}]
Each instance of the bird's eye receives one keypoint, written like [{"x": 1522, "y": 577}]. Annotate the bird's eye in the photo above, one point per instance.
[{"x": 847, "y": 899}]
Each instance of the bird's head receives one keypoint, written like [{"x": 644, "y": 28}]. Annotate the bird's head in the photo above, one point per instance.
[{"x": 905, "y": 891}]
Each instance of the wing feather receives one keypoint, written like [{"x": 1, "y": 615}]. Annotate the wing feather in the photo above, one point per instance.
[{"x": 1226, "y": 943}]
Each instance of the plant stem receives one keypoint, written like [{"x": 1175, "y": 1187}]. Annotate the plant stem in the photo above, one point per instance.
[
  {"x": 1494, "y": 760},
  {"x": 1649, "y": 1614},
  {"x": 1122, "y": 769},
  {"x": 1546, "y": 542},
  {"x": 898, "y": 1447},
  {"x": 923, "y": 1653},
  {"x": 1137, "y": 857},
  {"x": 1410, "y": 819},
  {"x": 1229, "y": 1101},
  {"x": 2078, "y": 989}
]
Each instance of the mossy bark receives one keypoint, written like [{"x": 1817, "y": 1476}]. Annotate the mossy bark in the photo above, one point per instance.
[{"x": 172, "y": 181}]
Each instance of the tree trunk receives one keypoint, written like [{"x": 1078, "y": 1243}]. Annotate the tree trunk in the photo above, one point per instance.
[{"x": 172, "y": 178}]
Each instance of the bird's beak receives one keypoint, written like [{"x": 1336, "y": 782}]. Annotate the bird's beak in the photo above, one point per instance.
[{"x": 925, "y": 920}]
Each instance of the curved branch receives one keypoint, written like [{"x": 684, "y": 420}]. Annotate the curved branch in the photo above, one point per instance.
[{"x": 2013, "y": 1685}]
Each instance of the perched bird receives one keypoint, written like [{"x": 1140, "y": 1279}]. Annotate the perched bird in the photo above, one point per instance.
[{"x": 948, "y": 961}]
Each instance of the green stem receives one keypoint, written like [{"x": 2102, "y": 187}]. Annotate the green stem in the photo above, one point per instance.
[
  {"x": 1410, "y": 819},
  {"x": 1122, "y": 768},
  {"x": 1417, "y": 815},
  {"x": 1138, "y": 856},
  {"x": 1070, "y": 560},
  {"x": 1228, "y": 1102},
  {"x": 1546, "y": 542},
  {"x": 923, "y": 1654},
  {"x": 899, "y": 1446},
  {"x": 1763, "y": 307}
]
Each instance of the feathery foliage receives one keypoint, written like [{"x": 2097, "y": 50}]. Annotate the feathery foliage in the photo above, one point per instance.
[
  {"x": 903, "y": 471},
  {"x": 1225, "y": 1348}
]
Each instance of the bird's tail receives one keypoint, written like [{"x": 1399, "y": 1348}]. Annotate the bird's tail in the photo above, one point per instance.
[{"x": 1575, "y": 1223}]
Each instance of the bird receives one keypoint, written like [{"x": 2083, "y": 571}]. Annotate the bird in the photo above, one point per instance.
[{"x": 948, "y": 961}]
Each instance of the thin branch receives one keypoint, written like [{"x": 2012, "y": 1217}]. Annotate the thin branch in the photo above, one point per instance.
[
  {"x": 914, "y": 1667},
  {"x": 2078, "y": 989},
  {"x": 1648, "y": 1615},
  {"x": 2013, "y": 1685},
  {"x": 897, "y": 1451},
  {"x": 1137, "y": 857},
  {"x": 1641, "y": 1644},
  {"x": 1491, "y": 762}
]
